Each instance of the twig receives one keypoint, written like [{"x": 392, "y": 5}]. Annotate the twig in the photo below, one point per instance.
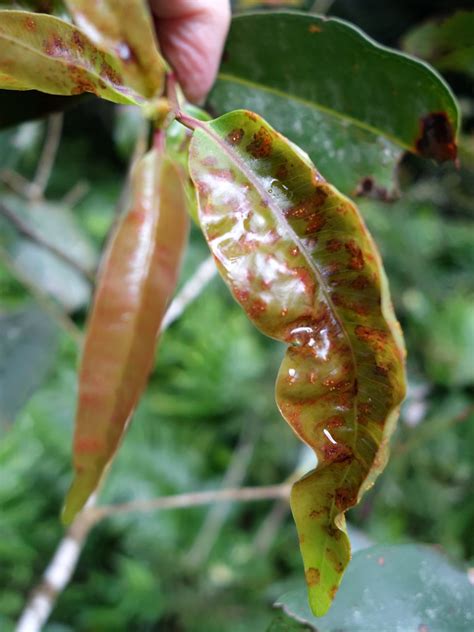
[
  {"x": 75, "y": 194},
  {"x": 64, "y": 562},
  {"x": 47, "y": 159},
  {"x": 17, "y": 183},
  {"x": 268, "y": 529},
  {"x": 62, "y": 566},
  {"x": 190, "y": 291},
  {"x": 24, "y": 229},
  {"x": 215, "y": 519}
]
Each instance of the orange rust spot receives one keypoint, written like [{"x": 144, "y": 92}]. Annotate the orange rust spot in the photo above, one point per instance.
[
  {"x": 437, "y": 138},
  {"x": 382, "y": 370},
  {"x": 333, "y": 245},
  {"x": 337, "y": 452},
  {"x": 257, "y": 308},
  {"x": 30, "y": 24},
  {"x": 294, "y": 251},
  {"x": 360, "y": 283},
  {"x": 333, "y": 532},
  {"x": 55, "y": 47},
  {"x": 78, "y": 41},
  {"x": 235, "y": 136},
  {"x": 282, "y": 172},
  {"x": 314, "y": 28},
  {"x": 375, "y": 337},
  {"x": 261, "y": 145},
  {"x": 251, "y": 115},
  {"x": 241, "y": 295},
  {"x": 110, "y": 74},
  {"x": 345, "y": 497},
  {"x": 313, "y": 576},
  {"x": 334, "y": 422},
  {"x": 88, "y": 445},
  {"x": 357, "y": 258},
  {"x": 317, "y": 513},
  {"x": 332, "y": 556},
  {"x": 332, "y": 591}
]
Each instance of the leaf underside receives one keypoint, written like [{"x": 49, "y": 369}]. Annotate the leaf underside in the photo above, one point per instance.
[
  {"x": 41, "y": 52},
  {"x": 137, "y": 280},
  {"x": 352, "y": 104},
  {"x": 124, "y": 28},
  {"x": 298, "y": 258}
]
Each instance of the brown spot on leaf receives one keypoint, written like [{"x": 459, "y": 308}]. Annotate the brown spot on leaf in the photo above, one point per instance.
[
  {"x": 337, "y": 452},
  {"x": 313, "y": 576},
  {"x": 314, "y": 28},
  {"x": 437, "y": 138},
  {"x": 30, "y": 24},
  {"x": 235, "y": 136},
  {"x": 357, "y": 258},
  {"x": 317, "y": 513},
  {"x": 375, "y": 337},
  {"x": 367, "y": 187},
  {"x": 110, "y": 74},
  {"x": 332, "y": 591},
  {"x": 78, "y": 41},
  {"x": 55, "y": 47},
  {"x": 333, "y": 245},
  {"x": 88, "y": 445},
  {"x": 345, "y": 497},
  {"x": 282, "y": 172},
  {"x": 261, "y": 145},
  {"x": 257, "y": 308}
]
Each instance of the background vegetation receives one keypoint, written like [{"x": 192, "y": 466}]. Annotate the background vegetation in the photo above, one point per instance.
[{"x": 209, "y": 411}]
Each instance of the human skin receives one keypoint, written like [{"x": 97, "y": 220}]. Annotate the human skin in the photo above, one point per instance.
[{"x": 191, "y": 35}]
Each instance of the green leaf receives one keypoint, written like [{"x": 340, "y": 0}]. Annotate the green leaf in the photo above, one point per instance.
[
  {"x": 352, "y": 104},
  {"x": 138, "y": 277},
  {"x": 178, "y": 139},
  {"x": 49, "y": 272},
  {"x": 125, "y": 28},
  {"x": 41, "y": 52},
  {"x": 28, "y": 345},
  {"x": 406, "y": 587},
  {"x": 298, "y": 258},
  {"x": 285, "y": 624},
  {"x": 447, "y": 44}
]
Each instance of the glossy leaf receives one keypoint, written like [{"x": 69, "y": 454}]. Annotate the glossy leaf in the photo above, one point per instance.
[
  {"x": 298, "y": 258},
  {"x": 137, "y": 280},
  {"x": 352, "y": 104},
  {"x": 178, "y": 139},
  {"x": 447, "y": 44},
  {"x": 125, "y": 28},
  {"x": 408, "y": 587},
  {"x": 28, "y": 345},
  {"x": 41, "y": 52}
]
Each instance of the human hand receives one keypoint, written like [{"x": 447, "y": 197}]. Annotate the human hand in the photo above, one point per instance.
[{"x": 191, "y": 35}]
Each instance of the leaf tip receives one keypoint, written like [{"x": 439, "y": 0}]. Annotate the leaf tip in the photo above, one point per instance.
[{"x": 79, "y": 493}]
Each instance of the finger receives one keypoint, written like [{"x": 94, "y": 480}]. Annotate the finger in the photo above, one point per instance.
[{"x": 192, "y": 34}]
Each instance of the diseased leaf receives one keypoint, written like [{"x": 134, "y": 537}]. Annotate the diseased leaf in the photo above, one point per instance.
[
  {"x": 352, "y": 104},
  {"x": 125, "y": 28},
  {"x": 137, "y": 280},
  {"x": 41, "y": 52},
  {"x": 178, "y": 138},
  {"x": 406, "y": 587},
  {"x": 447, "y": 44},
  {"x": 28, "y": 345},
  {"x": 298, "y": 258}
]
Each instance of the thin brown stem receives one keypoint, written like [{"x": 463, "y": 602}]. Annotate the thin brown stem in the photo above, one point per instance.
[{"x": 47, "y": 159}]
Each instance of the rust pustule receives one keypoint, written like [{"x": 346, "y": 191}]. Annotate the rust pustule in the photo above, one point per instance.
[
  {"x": 437, "y": 138},
  {"x": 261, "y": 145},
  {"x": 313, "y": 576},
  {"x": 235, "y": 136},
  {"x": 30, "y": 24}
]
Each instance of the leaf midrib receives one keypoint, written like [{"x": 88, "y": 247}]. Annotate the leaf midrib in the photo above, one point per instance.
[
  {"x": 60, "y": 60},
  {"x": 315, "y": 106}
]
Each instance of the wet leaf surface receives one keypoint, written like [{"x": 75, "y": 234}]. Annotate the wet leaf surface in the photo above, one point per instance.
[
  {"x": 124, "y": 28},
  {"x": 300, "y": 261},
  {"x": 138, "y": 277},
  {"x": 41, "y": 52},
  {"x": 352, "y": 104},
  {"x": 406, "y": 587}
]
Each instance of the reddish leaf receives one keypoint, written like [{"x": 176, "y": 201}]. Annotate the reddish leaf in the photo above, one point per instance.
[{"x": 137, "y": 280}]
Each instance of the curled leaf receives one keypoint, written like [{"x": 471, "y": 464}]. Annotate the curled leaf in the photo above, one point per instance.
[
  {"x": 300, "y": 261},
  {"x": 125, "y": 28},
  {"x": 137, "y": 280},
  {"x": 41, "y": 52}
]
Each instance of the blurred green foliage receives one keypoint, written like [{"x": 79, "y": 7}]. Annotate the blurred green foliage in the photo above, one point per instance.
[{"x": 212, "y": 388}]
